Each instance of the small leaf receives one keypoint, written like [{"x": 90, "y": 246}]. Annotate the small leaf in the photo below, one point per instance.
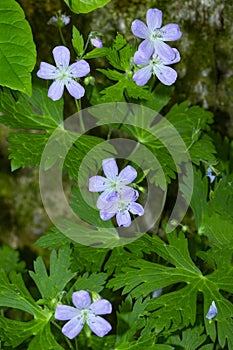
[{"x": 77, "y": 41}]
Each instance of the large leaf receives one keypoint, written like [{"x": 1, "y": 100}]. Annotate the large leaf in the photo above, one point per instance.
[
  {"x": 85, "y": 6},
  {"x": 17, "y": 49},
  {"x": 177, "y": 309},
  {"x": 14, "y": 294}
]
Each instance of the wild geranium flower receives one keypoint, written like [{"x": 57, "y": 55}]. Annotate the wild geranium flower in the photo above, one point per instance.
[
  {"x": 113, "y": 183},
  {"x": 59, "y": 20},
  {"x": 154, "y": 36},
  {"x": 121, "y": 206},
  {"x": 212, "y": 312},
  {"x": 97, "y": 42},
  {"x": 210, "y": 175},
  {"x": 63, "y": 74},
  {"x": 156, "y": 293},
  {"x": 155, "y": 66},
  {"x": 84, "y": 312}
]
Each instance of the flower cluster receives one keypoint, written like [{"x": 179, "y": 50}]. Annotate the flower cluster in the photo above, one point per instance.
[
  {"x": 153, "y": 53},
  {"x": 84, "y": 312},
  {"x": 117, "y": 198}
]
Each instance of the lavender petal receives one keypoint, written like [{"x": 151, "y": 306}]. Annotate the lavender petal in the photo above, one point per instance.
[
  {"x": 146, "y": 47},
  {"x": 154, "y": 19},
  {"x": 98, "y": 183},
  {"x": 81, "y": 299},
  {"x": 97, "y": 42},
  {"x": 106, "y": 215},
  {"x": 47, "y": 71},
  {"x": 127, "y": 175},
  {"x": 166, "y": 75},
  {"x": 75, "y": 89},
  {"x": 156, "y": 293},
  {"x": 110, "y": 168},
  {"x": 142, "y": 76},
  {"x": 128, "y": 194},
  {"x": 106, "y": 198},
  {"x": 98, "y": 325},
  {"x": 164, "y": 51},
  {"x": 61, "y": 56},
  {"x": 175, "y": 60},
  {"x": 79, "y": 69},
  {"x": 139, "y": 29},
  {"x": 123, "y": 218},
  {"x": 65, "y": 312},
  {"x": 72, "y": 328},
  {"x": 101, "y": 307},
  {"x": 56, "y": 90},
  {"x": 170, "y": 32},
  {"x": 141, "y": 59},
  {"x": 212, "y": 312},
  {"x": 136, "y": 209}
]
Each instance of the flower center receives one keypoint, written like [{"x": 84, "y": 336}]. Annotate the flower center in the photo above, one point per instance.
[
  {"x": 63, "y": 74},
  {"x": 156, "y": 34}
]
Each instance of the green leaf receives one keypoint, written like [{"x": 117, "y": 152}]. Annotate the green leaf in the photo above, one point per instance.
[
  {"x": 190, "y": 123},
  {"x": 14, "y": 294},
  {"x": 191, "y": 339},
  {"x": 36, "y": 113},
  {"x": 60, "y": 274},
  {"x": 26, "y": 149},
  {"x": 44, "y": 340},
  {"x": 17, "y": 49},
  {"x": 94, "y": 282},
  {"x": 9, "y": 260},
  {"x": 85, "y": 211},
  {"x": 77, "y": 41},
  {"x": 96, "y": 53},
  {"x": 53, "y": 239},
  {"x": 84, "y": 145},
  {"x": 199, "y": 195},
  {"x": 13, "y": 333},
  {"x": 159, "y": 97},
  {"x": 88, "y": 259},
  {"x": 129, "y": 322},
  {"x": 85, "y": 6},
  {"x": 177, "y": 309},
  {"x": 111, "y": 74}
]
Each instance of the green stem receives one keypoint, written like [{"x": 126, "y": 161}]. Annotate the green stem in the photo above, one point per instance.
[
  {"x": 86, "y": 45},
  {"x": 62, "y": 37},
  {"x": 67, "y": 340},
  {"x": 79, "y": 109},
  {"x": 76, "y": 344}
]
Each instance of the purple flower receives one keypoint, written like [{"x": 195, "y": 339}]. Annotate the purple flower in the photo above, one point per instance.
[
  {"x": 212, "y": 312},
  {"x": 59, "y": 20},
  {"x": 63, "y": 74},
  {"x": 156, "y": 293},
  {"x": 154, "y": 36},
  {"x": 97, "y": 42},
  {"x": 155, "y": 66},
  {"x": 122, "y": 206},
  {"x": 113, "y": 183},
  {"x": 210, "y": 175},
  {"x": 84, "y": 312}
]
